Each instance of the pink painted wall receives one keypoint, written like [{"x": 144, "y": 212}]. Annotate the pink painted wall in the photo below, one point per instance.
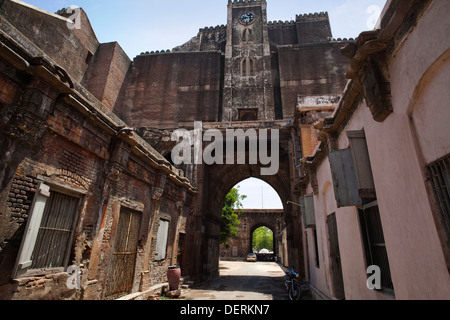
[{"x": 414, "y": 135}]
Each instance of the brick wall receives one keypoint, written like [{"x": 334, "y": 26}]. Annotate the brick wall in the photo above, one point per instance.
[
  {"x": 49, "y": 33},
  {"x": 314, "y": 69},
  {"x": 106, "y": 73},
  {"x": 20, "y": 197},
  {"x": 164, "y": 90}
]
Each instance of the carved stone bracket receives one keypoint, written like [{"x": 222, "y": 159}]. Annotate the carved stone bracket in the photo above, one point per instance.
[
  {"x": 179, "y": 205},
  {"x": 157, "y": 193},
  {"x": 113, "y": 171},
  {"x": 159, "y": 186},
  {"x": 368, "y": 65},
  {"x": 377, "y": 89}
]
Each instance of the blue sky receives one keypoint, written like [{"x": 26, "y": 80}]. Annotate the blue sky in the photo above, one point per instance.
[{"x": 150, "y": 25}]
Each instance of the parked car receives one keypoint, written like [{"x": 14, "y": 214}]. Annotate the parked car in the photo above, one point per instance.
[{"x": 251, "y": 257}]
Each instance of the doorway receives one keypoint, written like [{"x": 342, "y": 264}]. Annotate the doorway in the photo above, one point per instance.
[
  {"x": 121, "y": 272},
  {"x": 335, "y": 256}
]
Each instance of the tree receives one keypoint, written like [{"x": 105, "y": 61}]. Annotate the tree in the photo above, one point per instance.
[
  {"x": 263, "y": 239},
  {"x": 230, "y": 215}
]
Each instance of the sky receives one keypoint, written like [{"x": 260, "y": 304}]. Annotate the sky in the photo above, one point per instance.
[
  {"x": 260, "y": 195},
  {"x": 151, "y": 25}
]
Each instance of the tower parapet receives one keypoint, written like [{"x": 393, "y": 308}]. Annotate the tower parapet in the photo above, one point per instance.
[
  {"x": 313, "y": 27},
  {"x": 215, "y": 29},
  {"x": 312, "y": 16},
  {"x": 237, "y": 3},
  {"x": 280, "y": 23}
]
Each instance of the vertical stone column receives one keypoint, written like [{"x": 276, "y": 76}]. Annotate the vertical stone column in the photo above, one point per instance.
[{"x": 156, "y": 193}]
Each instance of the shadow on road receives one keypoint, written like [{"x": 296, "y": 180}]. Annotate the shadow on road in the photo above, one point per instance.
[{"x": 265, "y": 285}]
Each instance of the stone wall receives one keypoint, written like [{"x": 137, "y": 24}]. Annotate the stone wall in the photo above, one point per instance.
[
  {"x": 55, "y": 133},
  {"x": 166, "y": 90}
]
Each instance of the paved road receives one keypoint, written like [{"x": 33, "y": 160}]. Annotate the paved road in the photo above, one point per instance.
[{"x": 243, "y": 281}]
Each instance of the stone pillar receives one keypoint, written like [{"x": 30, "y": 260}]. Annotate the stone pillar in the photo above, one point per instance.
[{"x": 156, "y": 193}]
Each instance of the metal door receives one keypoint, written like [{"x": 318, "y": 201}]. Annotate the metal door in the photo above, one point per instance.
[
  {"x": 335, "y": 256},
  {"x": 121, "y": 270}
]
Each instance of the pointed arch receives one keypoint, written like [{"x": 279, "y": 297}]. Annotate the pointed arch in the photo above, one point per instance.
[
  {"x": 247, "y": 35},
  {"x": 247, "y": 67}
]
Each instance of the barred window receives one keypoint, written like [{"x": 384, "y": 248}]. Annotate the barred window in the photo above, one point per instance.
[
  {"x": 55, "y": 235},
  {"x": 49, "y": 232},
  {"x": 439, "y": 172}
]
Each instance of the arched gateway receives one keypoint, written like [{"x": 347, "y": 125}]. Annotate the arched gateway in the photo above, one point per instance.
[
  {"x": 218, "y": 179},
  {"x": 251, "y": 220},
  {"x": 98, "y": 128}
]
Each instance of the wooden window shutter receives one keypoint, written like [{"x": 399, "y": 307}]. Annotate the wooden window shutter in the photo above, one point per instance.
[
  {"x": 344, "y": 178},
  {"x": 161, "y": 242},
  {"x": 309, "y": 217},
  {"x": 361, "y": 160},
  {"x": 32, "y": 229}
]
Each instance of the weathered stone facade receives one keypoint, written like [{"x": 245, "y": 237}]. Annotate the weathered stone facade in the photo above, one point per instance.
[
  {"x": 57, "y": 134},
  {"x": 84, "y": 126},
  {"x": 375, "y": 184}
]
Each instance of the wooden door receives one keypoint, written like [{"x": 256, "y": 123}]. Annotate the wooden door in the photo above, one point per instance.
[
  {"x": 123, "y": 261},
  {"x": 335, "y": 256}
]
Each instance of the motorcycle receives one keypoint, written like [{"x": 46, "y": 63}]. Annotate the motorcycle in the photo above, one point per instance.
[{"x": 292, "y": 286}]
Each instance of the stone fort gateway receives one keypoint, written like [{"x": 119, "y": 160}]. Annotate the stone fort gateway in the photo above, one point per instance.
[{"x": 96, "y": 149}]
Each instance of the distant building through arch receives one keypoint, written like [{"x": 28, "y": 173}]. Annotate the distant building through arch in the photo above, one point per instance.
[{"x": 252, "y": 219}]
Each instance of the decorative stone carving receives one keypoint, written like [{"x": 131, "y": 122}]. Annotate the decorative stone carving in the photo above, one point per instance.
[
  {"x": 113, "y": 171},
  {"x": 377, "y": 90},
  {"x": 157, "y": 193}
]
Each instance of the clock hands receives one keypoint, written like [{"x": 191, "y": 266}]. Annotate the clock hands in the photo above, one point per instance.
[{"x": 247, "y": 17}]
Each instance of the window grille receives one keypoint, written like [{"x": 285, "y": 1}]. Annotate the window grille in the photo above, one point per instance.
[
  {"x": 52, "y": 247},
  {"x": 439, "y": 172}
]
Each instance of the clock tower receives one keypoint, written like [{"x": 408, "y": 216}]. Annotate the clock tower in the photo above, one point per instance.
[{"x": 248, "y": 89}]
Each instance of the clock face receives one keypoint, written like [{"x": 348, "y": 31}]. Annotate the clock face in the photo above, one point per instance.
[{"x": 247, "y": 18}]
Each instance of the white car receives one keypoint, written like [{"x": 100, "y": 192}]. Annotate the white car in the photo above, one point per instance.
[{"x": 251, "y": 257}]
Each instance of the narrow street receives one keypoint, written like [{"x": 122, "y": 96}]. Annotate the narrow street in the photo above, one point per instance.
[{"x": 243, "y": 281}]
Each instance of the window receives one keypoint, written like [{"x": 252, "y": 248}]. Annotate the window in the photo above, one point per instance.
[
  {"x": 374, "y": 244},
  {"x": 247, "y": 34},
  {"x": 309, "y": 216},
  {"x": 439, "y": 172},
  {"x": 89, "y": 57},
  {"x": 352, "y": 172},
  {"x": 49, "y": 232},
  {"x": 247, "y": 67},
  {"x": 363, "y": 168},
  {"x": 161, "y": 240},
  {"x": 344, "y": 178},
  {"x": 316, "y": 247},
  {"x": 248, "y": 114}
]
